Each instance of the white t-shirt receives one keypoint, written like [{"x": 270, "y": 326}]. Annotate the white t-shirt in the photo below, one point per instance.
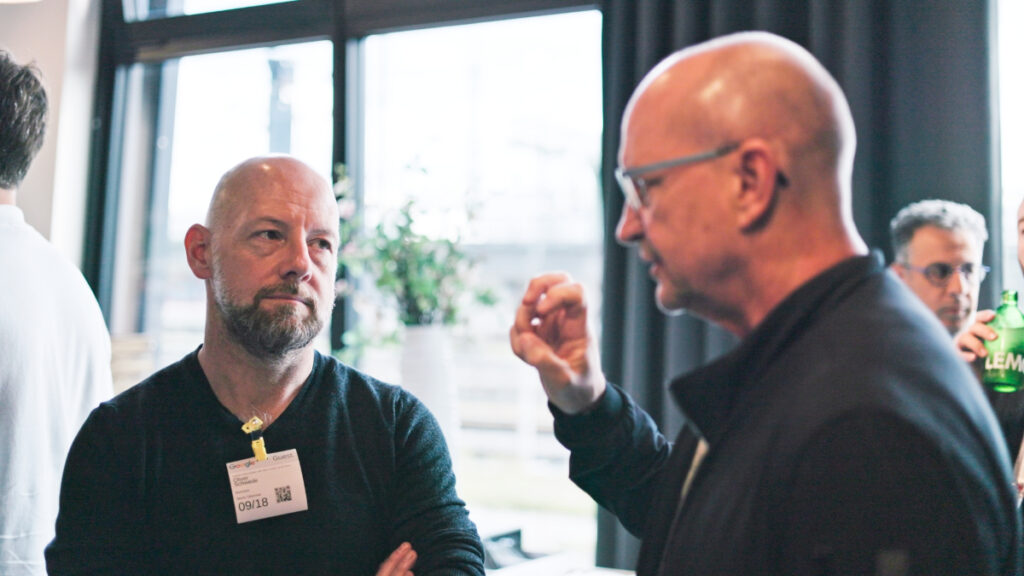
[{"x": 54, "y": 369}]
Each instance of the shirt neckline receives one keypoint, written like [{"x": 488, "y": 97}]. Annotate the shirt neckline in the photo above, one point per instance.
[
  {"x": 708, "y": 394},
  {"x": 228, "y": 418}
]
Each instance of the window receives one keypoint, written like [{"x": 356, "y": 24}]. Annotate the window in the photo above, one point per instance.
[
  {"x": 1011, "y": 92},
  {"x": 207, "y": 113},
  {"x": 493, "y": 127},
  {"x": 147, "y": 9},
  {"x": 497, "y": 140}
]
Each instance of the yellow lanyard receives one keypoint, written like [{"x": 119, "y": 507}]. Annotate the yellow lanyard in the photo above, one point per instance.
[{"x": 254, "y": 428}]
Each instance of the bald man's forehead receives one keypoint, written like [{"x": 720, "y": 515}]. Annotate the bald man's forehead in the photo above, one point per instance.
[
  {"x": 296, "y": 207},
  {"x": 678, "y": 112},
  {"x": 255, "y": 178}
]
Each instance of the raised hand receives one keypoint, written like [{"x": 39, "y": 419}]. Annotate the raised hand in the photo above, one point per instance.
[{"x": 550, "y": 333}]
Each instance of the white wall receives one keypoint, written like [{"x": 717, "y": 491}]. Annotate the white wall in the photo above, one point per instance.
[{"x": 61, "y": 37}]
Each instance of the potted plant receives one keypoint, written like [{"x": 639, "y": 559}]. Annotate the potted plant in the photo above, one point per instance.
[{"x": 426, "y": 281}]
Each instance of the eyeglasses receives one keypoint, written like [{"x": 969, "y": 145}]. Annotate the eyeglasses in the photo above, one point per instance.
[
  {"x": 636, "y": 188},
  {"x": 940, "y": 273}
]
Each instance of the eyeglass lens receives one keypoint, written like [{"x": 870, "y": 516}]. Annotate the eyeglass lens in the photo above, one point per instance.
[{"x": 941, "y": 272}]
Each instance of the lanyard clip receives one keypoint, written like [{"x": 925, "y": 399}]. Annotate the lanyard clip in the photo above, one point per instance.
[{"x": 254, "y": 428}]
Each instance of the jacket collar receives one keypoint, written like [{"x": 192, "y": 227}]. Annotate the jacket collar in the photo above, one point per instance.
[{"x": 707, "y": 395}]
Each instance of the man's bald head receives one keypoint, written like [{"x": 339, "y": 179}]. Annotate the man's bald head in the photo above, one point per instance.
[
  {"x": 737, "y": 159},
  {"x": 272, "y": 175},
  {"x": 269, "y": 255},
  {"x": 750, "y": 85}
]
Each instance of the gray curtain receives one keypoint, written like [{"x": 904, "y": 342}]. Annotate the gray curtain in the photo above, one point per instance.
[{"x": 918, "y": 77}]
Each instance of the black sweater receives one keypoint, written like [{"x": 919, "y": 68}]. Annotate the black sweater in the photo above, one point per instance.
[{"x": 146, "y": 489}]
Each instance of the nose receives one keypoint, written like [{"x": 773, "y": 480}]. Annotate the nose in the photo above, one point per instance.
[
  {"x": 958, "y": 283},
  {"x": 630, "y": 228},
  {"x": 297, "y": 262}
]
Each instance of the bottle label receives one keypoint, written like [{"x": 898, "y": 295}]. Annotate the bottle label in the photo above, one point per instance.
[{"x": 1005, "y": 361}]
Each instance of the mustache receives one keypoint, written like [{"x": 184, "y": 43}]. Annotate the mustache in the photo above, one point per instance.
[{"x": 284, "y": 288}]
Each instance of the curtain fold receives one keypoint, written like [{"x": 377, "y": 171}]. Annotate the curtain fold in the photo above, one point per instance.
[{"x": 918, "y": 78}]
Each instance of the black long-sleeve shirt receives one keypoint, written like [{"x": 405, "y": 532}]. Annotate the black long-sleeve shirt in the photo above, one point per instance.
[{"x": 146, "y": 488}]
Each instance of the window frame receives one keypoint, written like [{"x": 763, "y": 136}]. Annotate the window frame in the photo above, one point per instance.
[{"x": 124, "y": 43}]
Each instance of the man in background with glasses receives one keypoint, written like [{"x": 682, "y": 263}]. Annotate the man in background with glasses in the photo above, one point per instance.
[
  {"x": 843, "y": 434},
  {"x": 1009, "y": 408},
  {"x": 937, "y": 246}
]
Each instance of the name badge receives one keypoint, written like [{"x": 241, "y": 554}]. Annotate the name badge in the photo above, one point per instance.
[{"x": 267, "y": 488}]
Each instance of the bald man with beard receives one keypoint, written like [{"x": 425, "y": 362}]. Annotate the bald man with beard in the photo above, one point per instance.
[
  {"x": 843, "y": 434},
  {"x": 255, "y": 454}
]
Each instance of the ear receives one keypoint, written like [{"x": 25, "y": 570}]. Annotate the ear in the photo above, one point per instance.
[
  {"x": 759, "y": 185},
  {"x": 197, "y": 250}
]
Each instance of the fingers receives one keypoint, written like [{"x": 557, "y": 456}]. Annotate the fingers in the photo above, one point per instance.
[
  {"x": 566, "y": 296},
  {"x": 400, "y": 562},
  {"x": 968, "y": 357},
  {"x": 550, "y": 333},
  {"x": 539, "y": 320},
  {"x": 528, "y": 347},
  {"x": 971, "y": 342},
  {"x": 985, "y": 316},
  {"x": 546, "y": 296},
  {"x": 970, "y": 345},
  {"x": 543, "y": 295},
  {"x": 540, "y": 285}
]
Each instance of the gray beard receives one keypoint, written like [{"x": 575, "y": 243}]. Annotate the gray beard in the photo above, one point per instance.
[{"x": 269, "y": 334}]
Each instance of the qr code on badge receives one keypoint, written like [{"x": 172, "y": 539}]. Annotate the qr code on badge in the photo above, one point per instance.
[{"x": 284, "y": 494}]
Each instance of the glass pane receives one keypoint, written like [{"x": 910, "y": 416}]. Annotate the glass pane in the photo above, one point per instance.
[
  {"x": 188, "y": 121},
  {"x": 1011, "y": 121},
  {"x": 494, "y": 130},
  {"x": 152, "y": 9}
]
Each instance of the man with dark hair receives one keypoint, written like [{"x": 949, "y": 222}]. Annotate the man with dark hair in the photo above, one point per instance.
[
  {"x": 843, "y": 435},
  {"x": 256, "y": 454},
  {"x": 54, "y": 345},
  {"x": 937, "y": 247},
  {"x": 23, "y": 123}
]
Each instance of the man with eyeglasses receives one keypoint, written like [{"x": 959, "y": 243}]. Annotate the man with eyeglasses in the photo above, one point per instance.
[
  {"x": 937, "y": 246},
  {"x": 1009, "y": 408},
  {"x": 841, "y": 435}
]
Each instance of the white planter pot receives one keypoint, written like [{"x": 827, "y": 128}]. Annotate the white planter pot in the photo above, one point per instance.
[{"x": 427, "y": 372}]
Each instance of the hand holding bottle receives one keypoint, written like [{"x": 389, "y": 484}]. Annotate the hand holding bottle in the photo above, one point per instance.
[
  {"x": 971, "y": 341},
  {"x": 1004, "y": 363}
]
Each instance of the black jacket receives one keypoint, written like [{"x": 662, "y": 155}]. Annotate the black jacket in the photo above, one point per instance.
[{"x": 846, "y": 437}]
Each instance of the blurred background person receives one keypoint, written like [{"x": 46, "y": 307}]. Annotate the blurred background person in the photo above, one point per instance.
[
  {"x": 937, "y": 247},
  {"x": 54, "y": 344},
  {"x": 1009, "y": 407}
]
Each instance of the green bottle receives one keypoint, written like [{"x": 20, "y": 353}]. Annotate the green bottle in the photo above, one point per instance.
[{"x": 1004, "y": 365}]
